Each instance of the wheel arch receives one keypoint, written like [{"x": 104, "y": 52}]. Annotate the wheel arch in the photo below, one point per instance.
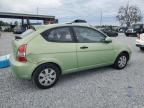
[
  {"x": 53, "y": 63},
  {"x": 124, "y": 52}
]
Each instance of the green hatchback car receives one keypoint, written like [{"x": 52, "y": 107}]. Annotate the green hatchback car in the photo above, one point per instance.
[{"x": 53, "y": 50}]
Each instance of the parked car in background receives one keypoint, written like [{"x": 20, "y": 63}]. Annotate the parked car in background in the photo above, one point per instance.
[
  {"x": 52, "y": 50},
  {"x": 19, "y": 29},
  {"x": 134, "y": 29},
  {"x": 140, "y": 41},
  {"x": 110, "y": 32},
  {"x": 122, "y": 29}
]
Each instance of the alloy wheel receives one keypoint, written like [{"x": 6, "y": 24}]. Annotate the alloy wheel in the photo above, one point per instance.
[
  {"x": 122, "y": 61},
  {"x": 47, "y": 77}
]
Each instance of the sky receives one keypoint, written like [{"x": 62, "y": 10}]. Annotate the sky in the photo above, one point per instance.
[{"x": 68, "y": 10}]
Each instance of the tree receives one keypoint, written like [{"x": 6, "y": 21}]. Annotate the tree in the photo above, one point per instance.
[
  {"x": 128, "y": 15},
  {"x": 3, "y": 23}
]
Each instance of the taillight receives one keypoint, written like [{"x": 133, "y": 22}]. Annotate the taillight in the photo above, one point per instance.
[
  {"x": 138, "y": 36},
  {"x": 21, "y": 53}
]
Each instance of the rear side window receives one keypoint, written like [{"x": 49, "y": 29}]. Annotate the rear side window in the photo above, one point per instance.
[{"x": 62, "y": 34}]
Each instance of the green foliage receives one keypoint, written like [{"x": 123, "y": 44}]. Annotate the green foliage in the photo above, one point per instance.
[{"x": 4, "y": 23}]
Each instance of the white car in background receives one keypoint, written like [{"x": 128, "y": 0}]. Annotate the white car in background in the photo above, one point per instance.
[{"x": 140, "y": 41}]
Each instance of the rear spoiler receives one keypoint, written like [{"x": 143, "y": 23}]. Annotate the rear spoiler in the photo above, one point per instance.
[{"x": 18, "y": 37}]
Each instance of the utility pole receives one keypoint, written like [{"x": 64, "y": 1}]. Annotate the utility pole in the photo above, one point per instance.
[
  {"x": 37, "y": 9},
  {"x": 101, "y": 17}
]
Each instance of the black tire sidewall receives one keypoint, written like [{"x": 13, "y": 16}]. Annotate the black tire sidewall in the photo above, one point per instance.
[
  {"x": 38, "y": 71},
  {"x": 142, "y": 48}
]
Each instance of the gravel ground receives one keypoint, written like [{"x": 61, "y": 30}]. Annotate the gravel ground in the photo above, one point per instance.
[{"x": 98, "y": 88}]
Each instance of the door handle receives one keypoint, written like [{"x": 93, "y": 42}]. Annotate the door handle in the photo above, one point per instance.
[{"x": 84, "y": 47}]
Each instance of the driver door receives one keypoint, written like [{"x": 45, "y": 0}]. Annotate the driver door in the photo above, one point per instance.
[{"x": 91, "y": 49}]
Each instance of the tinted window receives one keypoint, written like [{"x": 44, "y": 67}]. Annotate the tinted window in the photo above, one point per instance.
[
  {"x": 88, "y": 35},
  {"x": 59, "y": 35}
]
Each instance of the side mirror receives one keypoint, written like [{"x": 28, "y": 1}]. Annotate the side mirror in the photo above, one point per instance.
[{"x": 108, "y": 40}]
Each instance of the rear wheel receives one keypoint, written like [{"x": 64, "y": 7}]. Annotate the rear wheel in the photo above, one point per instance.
[
  {"x": 121, "y": 61},
  {"x": 46, "y": 75},
  {"x": 142, "y": 48}
]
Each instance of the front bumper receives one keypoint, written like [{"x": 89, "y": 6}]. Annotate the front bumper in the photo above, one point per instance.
[{"x": 22, "y": 70}]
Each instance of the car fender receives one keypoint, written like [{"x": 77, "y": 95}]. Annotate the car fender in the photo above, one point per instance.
[
  {"x": 119, "y": 48},
  {"x": 50, "y": 60}
]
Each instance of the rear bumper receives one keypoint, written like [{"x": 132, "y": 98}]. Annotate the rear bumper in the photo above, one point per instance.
[
  {"x": 139, "y": 43},
  {"x": 22, "y": 70}
]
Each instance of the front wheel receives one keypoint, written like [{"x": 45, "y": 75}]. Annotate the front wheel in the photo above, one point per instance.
[
  {"x": 142, "y": 48},
  {"x": 46, "y": 75},
  {"x": 121, "y": 61}
]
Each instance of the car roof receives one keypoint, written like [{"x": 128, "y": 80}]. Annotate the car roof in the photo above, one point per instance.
[{"x": 63, "y": 25}]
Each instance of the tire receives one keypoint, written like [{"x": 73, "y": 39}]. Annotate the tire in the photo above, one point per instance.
[
  {"x": 46, "y": 75},
  {"x": 127, "y": 35},
  {"x": 142, "y": 48},
  {"x": 121, "y": 61}
]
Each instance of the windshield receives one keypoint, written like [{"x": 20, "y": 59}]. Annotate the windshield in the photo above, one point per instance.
[{"x": 27, "y": 32}]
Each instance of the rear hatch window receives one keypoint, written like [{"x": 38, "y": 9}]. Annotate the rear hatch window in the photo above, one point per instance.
[{"x": 26, "y": 33}]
